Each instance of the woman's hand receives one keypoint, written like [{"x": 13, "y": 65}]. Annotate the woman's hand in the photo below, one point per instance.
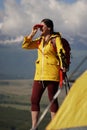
[
  {"x": 33, "y": 32},
  {"x": 35, "y": 29}
]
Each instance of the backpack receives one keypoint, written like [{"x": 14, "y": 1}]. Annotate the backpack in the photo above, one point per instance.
[{"x": 64, "y": 56}]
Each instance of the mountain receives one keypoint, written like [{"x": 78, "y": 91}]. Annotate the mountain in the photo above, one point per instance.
[
  {"x": 78, "y": 46},
  {"x": 18, "y": 63}
]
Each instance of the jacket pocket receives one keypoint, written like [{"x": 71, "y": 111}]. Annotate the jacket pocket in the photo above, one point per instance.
[{"x": 37, "y": 61}]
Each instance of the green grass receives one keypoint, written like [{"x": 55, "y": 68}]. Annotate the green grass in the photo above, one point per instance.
[
  {"x": 18, "y": 119},
  {"x": 11, "y": 117}
]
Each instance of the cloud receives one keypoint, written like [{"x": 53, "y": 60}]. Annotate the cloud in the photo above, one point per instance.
[
  {"x": 12, "y": 40},
  {"x": 75, "y": 16},
  {"x": 19, "y": 17},
  {"x": 14, "y": 19}
]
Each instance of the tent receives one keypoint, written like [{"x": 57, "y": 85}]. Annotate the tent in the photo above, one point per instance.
[{"x": 72, "y": 114}]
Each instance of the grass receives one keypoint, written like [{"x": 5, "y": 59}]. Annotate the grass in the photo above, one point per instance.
[
  {"x": 13, "y": 118},
  {"x": 15, "y": 105}
]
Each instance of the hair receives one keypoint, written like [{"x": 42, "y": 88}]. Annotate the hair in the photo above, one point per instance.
[{"x": 49, "y": 24}]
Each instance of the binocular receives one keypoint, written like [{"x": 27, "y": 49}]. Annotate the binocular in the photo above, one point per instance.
[{"x": 38, "y": 26}]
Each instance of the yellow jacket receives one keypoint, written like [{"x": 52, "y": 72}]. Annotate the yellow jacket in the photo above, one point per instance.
[{"x": 47, "y": 63}]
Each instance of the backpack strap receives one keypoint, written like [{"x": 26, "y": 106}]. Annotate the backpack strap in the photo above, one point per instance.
[
  {"x": 65, "y": 57},
  {"x": 53, "y": 41}
]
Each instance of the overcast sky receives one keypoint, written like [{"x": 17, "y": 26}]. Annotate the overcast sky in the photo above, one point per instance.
[{"x": 18, "y": 16}]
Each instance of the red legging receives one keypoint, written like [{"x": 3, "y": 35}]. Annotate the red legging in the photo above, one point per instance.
[{"x": 37, "y": 91}]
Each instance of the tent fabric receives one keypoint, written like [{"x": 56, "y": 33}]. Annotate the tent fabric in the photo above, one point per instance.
[{"x": 73, "y": 111}]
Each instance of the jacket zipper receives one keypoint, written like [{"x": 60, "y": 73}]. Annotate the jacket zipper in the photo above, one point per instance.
[{"x": 42, "y": 65}]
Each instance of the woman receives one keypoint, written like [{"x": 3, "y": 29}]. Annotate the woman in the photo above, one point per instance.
[{"x": 48, "y": 64}]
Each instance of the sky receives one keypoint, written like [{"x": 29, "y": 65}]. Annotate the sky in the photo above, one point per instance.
[
  {"x": 16, "y": 20},
  {"x": 18, "y": 16}
]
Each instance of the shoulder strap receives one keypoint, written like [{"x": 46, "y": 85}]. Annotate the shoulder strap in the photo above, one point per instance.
[{"x": 53, "y": 41}]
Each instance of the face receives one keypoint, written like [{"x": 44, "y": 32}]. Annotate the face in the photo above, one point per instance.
[{"x": 44, "y": 30}]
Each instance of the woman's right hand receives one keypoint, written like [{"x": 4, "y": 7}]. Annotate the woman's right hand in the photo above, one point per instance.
[
  {"x": 33, "y": 32},
  {"x": 34, "y": 29}
]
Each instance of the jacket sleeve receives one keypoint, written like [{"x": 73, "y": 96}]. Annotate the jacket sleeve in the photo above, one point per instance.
[
  {"x": 59, "y": 48},
  {"x": 28, "y": 43}
]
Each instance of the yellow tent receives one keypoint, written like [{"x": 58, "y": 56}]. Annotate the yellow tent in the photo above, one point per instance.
[{"x": 73, "y": 111}]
